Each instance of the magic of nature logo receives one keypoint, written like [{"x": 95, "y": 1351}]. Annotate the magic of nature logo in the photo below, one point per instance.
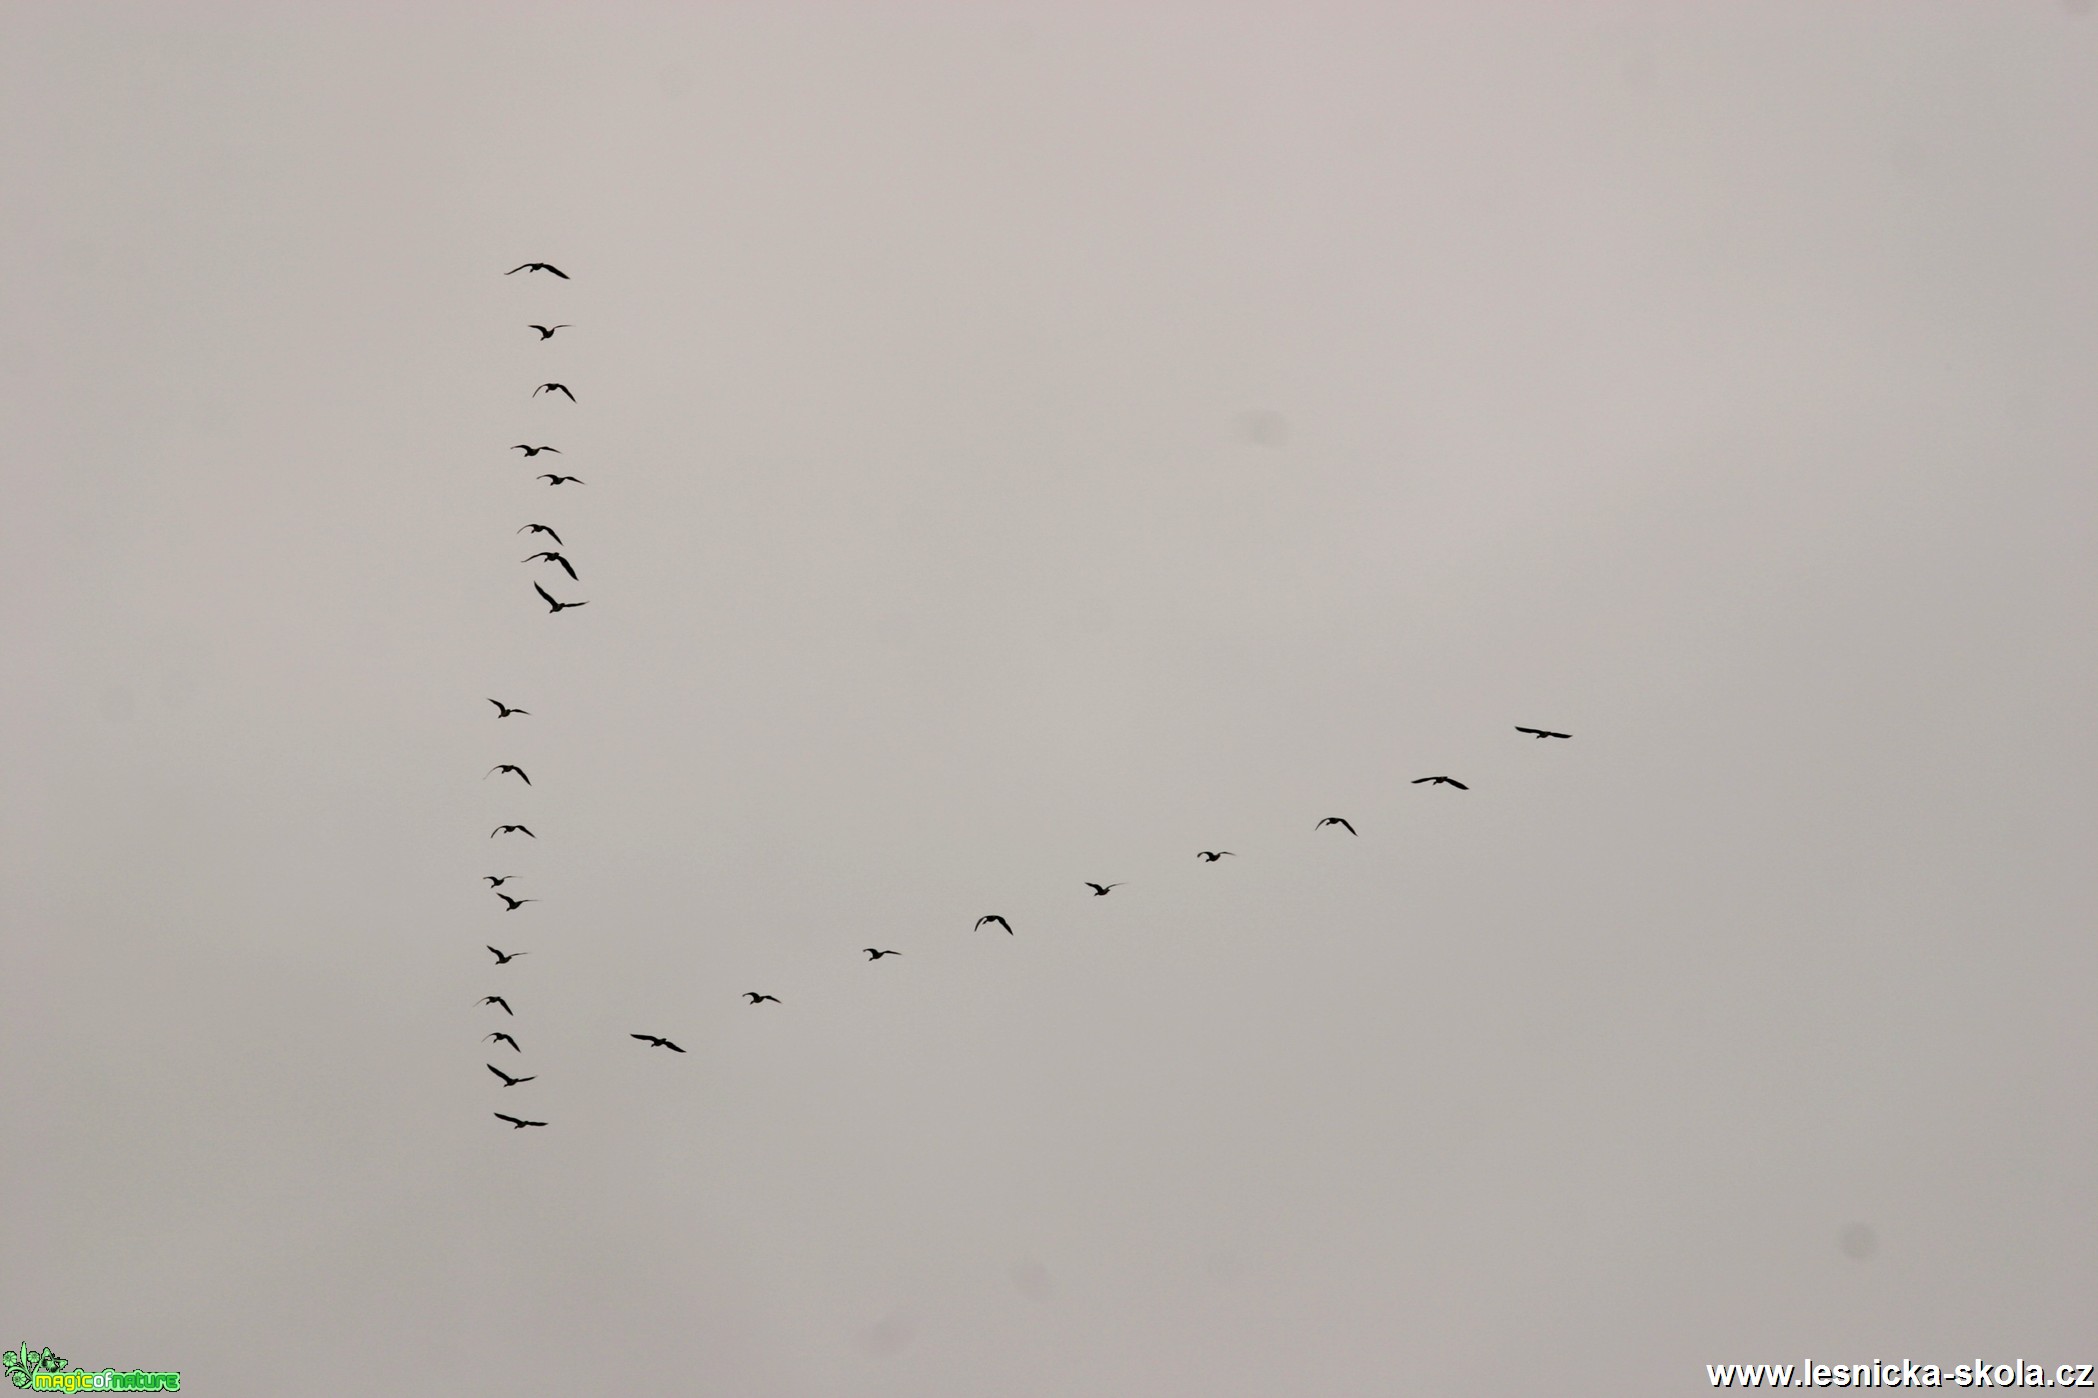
[{"x": 46, "y": 1372}]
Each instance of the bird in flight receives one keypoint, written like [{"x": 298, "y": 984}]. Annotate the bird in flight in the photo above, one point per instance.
[
  {"x": 653, "y": 1042},
  {"x": 542, "y": 529},
  {"x": 506, "y": 829},
  {"x": 538, "y": 267},
  {"x": 1099, "y": 889},
  {"x": 505, "y": 1038},
  {"x": 509, "y": 1081},
  {"x": 551, "y": 479},
  {"x": 757, "y": 999},
  {"x": 499, "y": 1000},
  {"x": 504, "y": 958},
  {"x": 873, "y": 955},
  {"x": 552, "y": 557},
  {"x": 993, "y": 917},
  {"x": 552, "y": 388},
  {"x": 498, "y": 880},
  {"x": 503, "y": 710},
  {"x": 518, "y": 1122},
  {"x": 553, "y": 606},
  {"x": 546, "y": 332},
  {"x": 1442, "y": 781},
  {"x": 1541, "y": 732},
  {"x": 509, "y": 767},
  {"x": 515, "y": 903},
  {"x": 1211, "y": 856},
  {"x": 1336, "y": 820},
  {"x": 534, "y": 451}
]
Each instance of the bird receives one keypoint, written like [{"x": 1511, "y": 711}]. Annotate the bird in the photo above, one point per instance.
[
  {"x": 1099, "y": 889},
  {"x": 993, "y": 917},
  {"x": 506, "y": 829},
  {"x": 504, "y": 958},
  {"x": 552, "y": 388},
  {"x": 515, "y": 903},
  {"x": 538, "y": 267},
  {"x": 550, "y": 556},
  {"x": 1211, "y": 856},
  {"x": 509, "y": 1081},
  {"x": 553, "y": 606},
  {"x": 653, "y": 1042},
  {"x": 518, "y": 1122},
  {"x": 546, "y": 332},
  {"x": 499, "y": 1000},
  {"x": 1442, "y": 781},
  {"x": 542, "y": 529},
  {"x": 534, "y": 451},
  {"x": 498, "y": 880},
  {"x": 509, "y": 767},
  {"x": 873, "y": 955},
  {"x": 757, "y": 999},
  {"x": 1541, "y": 732},
  {"x": 552, "y": 479},
  {"x": 505, "y": 1038},
  {"x": 503, "y": 710},
  {"x": 1336, "y": 820}
]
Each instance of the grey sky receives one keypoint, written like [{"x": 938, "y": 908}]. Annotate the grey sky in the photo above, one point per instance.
[{"x": 1027, "y": 445}]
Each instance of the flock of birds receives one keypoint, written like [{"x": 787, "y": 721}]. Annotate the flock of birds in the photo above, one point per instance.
[{"x": 512, "y": 903}]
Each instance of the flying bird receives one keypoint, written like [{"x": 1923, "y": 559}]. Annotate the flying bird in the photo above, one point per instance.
[
  {"x": 499, "y": 1000},
  {"x": 509, "y": 1081},
  {"x": 552, "y": 388},
  {"x": 993, "y": 917},
  {"x": 757, "y": 999},
  {"x": 498, "y": 880},
  {"x": 1099, "y": 889},
  {"x": 538, "y": 267},
  {"x": 1541, "y": 732},
  {"x": 546, "y": 332},
  {"x": 555, "y": 607},
  {"x": 873, "y": 955},
  {"x": 505, "y": 1038},
  {"x": 653, "y": 1042},
  {"x": 1336, "y": 820},
  {"x": 534, "y": 451},
  {"x": 515, "y": 903},
  {"x": 542, "y": 529},
  {"x": 552, "y": 479},
  {"x": 509, "y": 767},
  {"x": 552, "y": 557},
  {"x": 518, "y": 1122},
  {"x": 1442, "y": 781},
  {"x": 503, "y": 710},
  {"x": 504, "y": 958},
  {"x": 1211, "y": 856},
  {"x": 506, "y": 829}
]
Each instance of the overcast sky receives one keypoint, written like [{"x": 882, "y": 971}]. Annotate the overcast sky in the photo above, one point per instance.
[{"x": 1022, "y": 445}]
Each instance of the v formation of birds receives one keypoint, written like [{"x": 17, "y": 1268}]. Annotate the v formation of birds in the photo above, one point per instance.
[{"x": 503, "y": 710}]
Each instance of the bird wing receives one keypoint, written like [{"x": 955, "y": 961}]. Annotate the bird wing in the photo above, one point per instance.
[
  {"x": 672, "y": 1047},
  {"x": 555, "y": 270},
  {"x": 568, "y": 568},
  {"x": 1458, "y": 784},
  {"x": 511, "y": 273},
  {"x": 547, "y": 595},
  {"x": 1520, "y": 729}
]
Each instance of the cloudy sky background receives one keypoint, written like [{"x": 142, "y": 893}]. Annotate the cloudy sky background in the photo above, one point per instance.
[{"x": 1028, "y": 444}]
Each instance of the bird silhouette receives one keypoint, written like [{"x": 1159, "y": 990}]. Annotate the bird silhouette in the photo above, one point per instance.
[
  {"x": 538, "y": 267},
  {"x": 504, "y": 958},
  {"x": 534, "y": 451},
  {"x": 552, "y": 388},
  {"x": 506, "y": 829},
  {"x": 542, "y": 529},
  {"x": 1541, "y": 732},
  {"x": 1211, "y": 856},
  {"x": 555, "y": 607},
  {"x": 498, "y": 880},
  {"x": 546, "y": 332},
  {"x": 509, "y": 1081},
  {"x": 514, "y": 903},
  {"x": 993, "y": 917},
  {"x": 518, "y": 1122},
  {"x": 499, "y": 1000},
  {"x": 499, "y": 1036},
  {"x": 508, "y": 767},
  {"x": 757, "y": 999},
  {"x": 552, "y": 479},
  {"x": 1099, "y": 889},
  {"x": 1442, "y": 781},
  {"x": 873, "y": 955},
  {"x": 1336, "y": 820},
  {"x": 552, "y": 557},
  {"x": 503, "y": 710},
  {"x": 653, "y": 1042}
]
